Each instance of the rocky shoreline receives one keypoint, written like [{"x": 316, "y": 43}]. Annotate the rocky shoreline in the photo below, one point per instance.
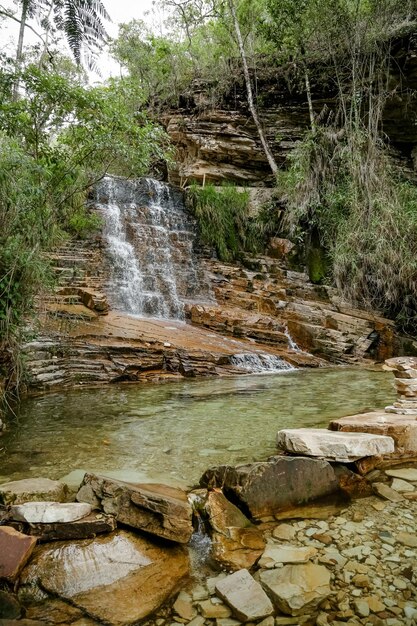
[{"x": 322, "y": 533}]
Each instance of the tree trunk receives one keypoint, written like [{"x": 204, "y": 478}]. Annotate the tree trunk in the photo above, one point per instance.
[
  {"x": 309, "y": 99},
  {"x": 19, "y": 50},
  {"x": 272, "y": 163}
]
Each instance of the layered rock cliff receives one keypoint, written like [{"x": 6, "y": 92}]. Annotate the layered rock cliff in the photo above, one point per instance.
[{"x": 217, "y": 141}]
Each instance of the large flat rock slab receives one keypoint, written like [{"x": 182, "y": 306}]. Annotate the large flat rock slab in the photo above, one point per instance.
[
  {"x": 334, "y": 445},
  {"x": 160, "y": 510},
  {"x": 267, "y": 487},
  {"x": 402, "y": 428},
  {"x": 15, "y": 550},
  {"x": 118, "y": 579},
  {"x": 32, "y": 490}
]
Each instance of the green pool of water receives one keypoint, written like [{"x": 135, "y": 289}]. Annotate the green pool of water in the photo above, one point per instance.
[{"x": 173, "y": 432}]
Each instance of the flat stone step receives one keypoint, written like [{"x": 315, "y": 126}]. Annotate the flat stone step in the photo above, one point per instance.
[
  {"x": 402, "y": 428},
  {"x": 338, "y": 446},
  {"x": 49, "y": 512}
]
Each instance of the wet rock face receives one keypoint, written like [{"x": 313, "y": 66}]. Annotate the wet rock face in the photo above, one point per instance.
[
  {"x": 266, "y": 488},
  {"x": 118, "y": 579},
  {"x": 157, "y": 509}
]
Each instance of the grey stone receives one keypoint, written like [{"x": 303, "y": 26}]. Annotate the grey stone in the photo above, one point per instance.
[
  {"x": 90, "y": 526},
  {"x": 49, "y": 512},
  {"x": 402, "y": 486},
  {"x": 386, "y": 492},
  {"x": 265, "y": 488},
  {"x": 245, "y": 596},
  {"x": 337, "y": 445},
  {"x": 406, "y": 473},
  {"x": 286, "y": 554}
]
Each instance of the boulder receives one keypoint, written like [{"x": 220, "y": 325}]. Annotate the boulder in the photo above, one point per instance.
[
  {"x": 157, "y": 509},
  {"x": 118, "y": 579},
  {"x": 297, "y": 589},
  {"x": 265, "y": 488},
  {"x": 245, "y": 596},
  {"x": 334, "y": 445},
  {"x": 49, "y": 512},
  {"x": 32, "y": 490},
  {"x": 15, "y": 550},
  {"x": 236, "y": 542},
  {"x": 85, "y": 528}
]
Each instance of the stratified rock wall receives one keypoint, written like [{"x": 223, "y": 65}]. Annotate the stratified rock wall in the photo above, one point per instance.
[{"x": 219, "y": 142}]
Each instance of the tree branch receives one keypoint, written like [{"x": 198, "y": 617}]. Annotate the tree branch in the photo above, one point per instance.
[{"x": 6, "y": 13}]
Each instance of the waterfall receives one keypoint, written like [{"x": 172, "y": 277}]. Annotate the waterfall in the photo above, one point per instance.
[
  {"x": 150, "y": 246},
  {"x": 260, "y": 362}
]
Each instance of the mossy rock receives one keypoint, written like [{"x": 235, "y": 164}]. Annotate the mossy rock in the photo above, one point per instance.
[{"x": 317, "y": 264}]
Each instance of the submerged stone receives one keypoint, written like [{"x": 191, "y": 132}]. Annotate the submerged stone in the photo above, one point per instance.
[
  {"x": 157, "y": 509},
  {"x": 9, "y": 606},
  {"x": 118, "y": 579},
  {"x": 267, "y": 487}
]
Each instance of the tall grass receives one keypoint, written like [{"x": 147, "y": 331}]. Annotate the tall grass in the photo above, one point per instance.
[
  {"x": 344, "y": 184},
  {"x": 223, "y": 217}
]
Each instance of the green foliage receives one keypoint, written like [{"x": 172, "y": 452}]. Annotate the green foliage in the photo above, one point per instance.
[
  {"x": 344, "y": 186},
  {"x": 54, "y": 144},
  {"x": 198, "y": 45},
  {"x": 223, "y": 217}
]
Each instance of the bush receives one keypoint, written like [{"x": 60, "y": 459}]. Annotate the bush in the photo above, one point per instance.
[
  {"x": 223, "y": 217},
  {"x": 344, "y": 185}
]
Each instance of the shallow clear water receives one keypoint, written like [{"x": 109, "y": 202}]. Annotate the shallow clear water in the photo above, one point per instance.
[{"x": 174, "y": 431}]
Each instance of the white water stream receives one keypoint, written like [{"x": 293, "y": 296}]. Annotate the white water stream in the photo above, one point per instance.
[{"x": 154, "y": 269}]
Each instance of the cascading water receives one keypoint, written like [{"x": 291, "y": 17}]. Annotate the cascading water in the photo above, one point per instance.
[
  {"x": 150, "y": 244},
  {"x": 258, "y": 363},
  {"x": 153, "y": 268}
]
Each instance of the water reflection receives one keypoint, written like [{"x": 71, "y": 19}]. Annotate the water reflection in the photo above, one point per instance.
[{"x": 173, "y": 432}]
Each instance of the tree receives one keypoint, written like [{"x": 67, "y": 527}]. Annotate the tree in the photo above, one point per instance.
[
  {"x": 81, "y": 21},
  {"x": 56, "y": 141},
  {"x": 251, "y": 103}
]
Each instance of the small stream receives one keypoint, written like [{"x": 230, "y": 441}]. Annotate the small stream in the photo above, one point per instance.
[{"x": 173, "y": 432}]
